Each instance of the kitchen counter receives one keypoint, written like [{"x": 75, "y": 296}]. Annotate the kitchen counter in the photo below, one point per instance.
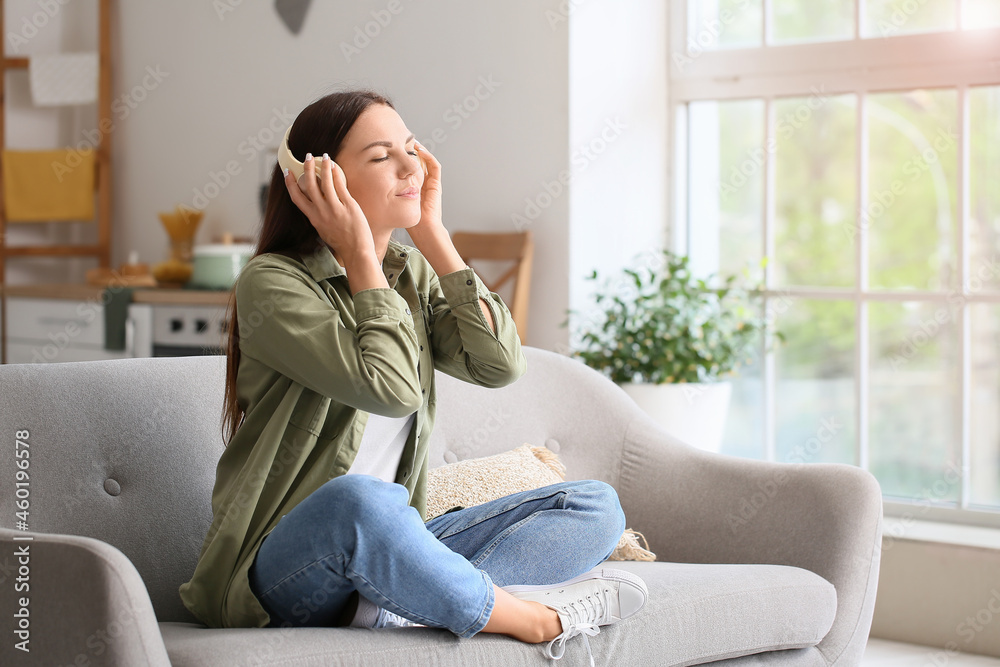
[{"x": 83, "y": 291}]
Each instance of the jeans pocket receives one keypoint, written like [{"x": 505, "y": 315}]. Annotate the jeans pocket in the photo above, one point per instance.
[{"x": 503, "y": 511}]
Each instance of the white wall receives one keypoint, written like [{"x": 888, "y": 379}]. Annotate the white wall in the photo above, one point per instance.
[
  {"x": 226, "y": 77},
  {"x": 939, "y": 595},
  {"x": 618, "y": 140}
]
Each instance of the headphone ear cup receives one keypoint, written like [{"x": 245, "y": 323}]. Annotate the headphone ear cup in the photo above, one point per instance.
[
  {"x": 288, "y": 161},
  {"x": 285, "y": 158}
]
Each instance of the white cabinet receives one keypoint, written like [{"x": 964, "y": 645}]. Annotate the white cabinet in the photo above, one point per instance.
[
  {"x": 55, "y": 330},
  {"x": 53, "y": 326}
]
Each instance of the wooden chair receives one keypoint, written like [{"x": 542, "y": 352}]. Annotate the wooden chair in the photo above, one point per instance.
[{"x": 514, "y": 246}]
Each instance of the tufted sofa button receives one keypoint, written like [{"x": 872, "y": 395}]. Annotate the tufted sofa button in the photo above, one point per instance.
[
  {"x": 450, "y": 457},
  {"x": 552, "y": 445},
  {"x": 112, "y": 487}
]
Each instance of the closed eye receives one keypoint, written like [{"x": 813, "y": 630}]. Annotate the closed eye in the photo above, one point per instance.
[{"x": 383, "y": 159}]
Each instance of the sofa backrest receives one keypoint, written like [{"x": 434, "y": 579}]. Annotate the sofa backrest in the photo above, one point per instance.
[
  {"x": 125, "y": 451},
  {"x": 559, "y": 402}
]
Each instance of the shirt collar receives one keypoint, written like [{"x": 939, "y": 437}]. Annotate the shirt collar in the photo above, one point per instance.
[{"x": 322, "y": 264}]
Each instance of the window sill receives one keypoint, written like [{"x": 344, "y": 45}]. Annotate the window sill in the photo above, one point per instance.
[{"x": 898, "y": 528}]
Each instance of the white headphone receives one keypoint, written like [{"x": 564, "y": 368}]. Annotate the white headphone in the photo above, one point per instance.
[{"x": 287, "y": 161}]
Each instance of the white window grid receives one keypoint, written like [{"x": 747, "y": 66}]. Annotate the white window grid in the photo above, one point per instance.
[{"x": 956, "y": 59}]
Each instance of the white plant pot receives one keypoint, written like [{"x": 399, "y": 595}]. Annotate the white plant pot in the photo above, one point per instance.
[{"x": 694, "y": 412}]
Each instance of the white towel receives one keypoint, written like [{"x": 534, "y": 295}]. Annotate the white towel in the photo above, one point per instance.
[{"x": 63, "y": 78}]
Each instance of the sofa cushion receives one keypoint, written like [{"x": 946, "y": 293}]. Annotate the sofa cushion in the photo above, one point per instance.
[
  {"x": 695, "y": 613},
  {"x": 476, "y": 481}
]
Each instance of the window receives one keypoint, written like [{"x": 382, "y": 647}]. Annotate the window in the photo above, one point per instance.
[{"x": 856, "y": 145}]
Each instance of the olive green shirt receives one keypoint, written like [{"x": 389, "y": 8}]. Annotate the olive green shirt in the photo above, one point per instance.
[{"x": 314, "y": 363}]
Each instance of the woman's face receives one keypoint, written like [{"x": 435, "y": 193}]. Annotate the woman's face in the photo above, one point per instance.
[{"x": 383, "y": 172}]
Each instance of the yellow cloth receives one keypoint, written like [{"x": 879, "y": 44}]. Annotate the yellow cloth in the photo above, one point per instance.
[{"x": 39, "y": 186}]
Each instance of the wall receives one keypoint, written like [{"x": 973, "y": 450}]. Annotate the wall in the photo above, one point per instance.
[
  {"x": 941, "y": 595},
  {"x": 618, "y": 141}
]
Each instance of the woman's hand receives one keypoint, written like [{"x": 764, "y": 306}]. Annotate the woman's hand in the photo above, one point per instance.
[
  {"x": 429, "y": 235},
  {"x": 330, "y": 208},
  {"x": 430, "y": 198}
]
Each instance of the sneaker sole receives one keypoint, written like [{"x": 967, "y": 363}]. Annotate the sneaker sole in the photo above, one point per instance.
[{"x": 630, "y": 598}]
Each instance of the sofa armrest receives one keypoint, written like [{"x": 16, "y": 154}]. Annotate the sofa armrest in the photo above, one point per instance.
[
  {"x": 80, "y": 601},
  {"x": 700, "y": 507}
]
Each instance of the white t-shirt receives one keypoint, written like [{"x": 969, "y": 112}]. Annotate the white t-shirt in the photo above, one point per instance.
[{"x": 382, "y": 446}]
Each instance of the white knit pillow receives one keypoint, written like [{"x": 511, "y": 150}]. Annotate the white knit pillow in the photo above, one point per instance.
[{"x": 477, "y": 481}]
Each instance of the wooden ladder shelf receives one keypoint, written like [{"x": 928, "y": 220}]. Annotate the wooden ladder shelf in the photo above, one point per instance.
[{"x": 102, "y": 165}]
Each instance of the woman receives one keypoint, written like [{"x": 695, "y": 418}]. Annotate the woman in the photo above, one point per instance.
[{"x": 335, "y": 332}]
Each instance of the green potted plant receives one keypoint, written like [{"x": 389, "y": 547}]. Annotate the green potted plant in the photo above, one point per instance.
[{"x": 670, "y": 339}]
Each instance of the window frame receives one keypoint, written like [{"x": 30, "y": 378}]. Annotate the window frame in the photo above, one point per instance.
[{"x": 956, "y": 59}]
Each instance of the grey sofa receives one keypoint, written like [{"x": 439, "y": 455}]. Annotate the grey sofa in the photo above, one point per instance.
[{"x": 758, "y": 563}]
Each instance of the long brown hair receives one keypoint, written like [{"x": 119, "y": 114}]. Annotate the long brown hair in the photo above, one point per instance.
[{"x": 319, "y": 128}]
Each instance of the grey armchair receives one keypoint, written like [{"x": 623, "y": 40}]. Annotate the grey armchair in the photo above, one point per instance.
[{"x": 758, "y": 563}]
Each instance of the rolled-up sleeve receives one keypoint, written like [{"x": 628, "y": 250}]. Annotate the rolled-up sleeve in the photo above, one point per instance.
[
  {"x": 465, "y": 346},
  {"x": 286, "y": 324}
]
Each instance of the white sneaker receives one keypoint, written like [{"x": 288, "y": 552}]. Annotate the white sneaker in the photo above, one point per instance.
[
  {"x": 599, "y": 597},
  {"x": 370, "y": 615}
]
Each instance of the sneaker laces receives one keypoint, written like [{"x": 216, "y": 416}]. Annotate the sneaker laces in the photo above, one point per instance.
[
  {"x": 582, "y": 629},
  {"x": 580, "y": 617}
]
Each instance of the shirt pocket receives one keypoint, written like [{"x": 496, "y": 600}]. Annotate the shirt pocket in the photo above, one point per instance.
[{"x": 313, "y": 414}]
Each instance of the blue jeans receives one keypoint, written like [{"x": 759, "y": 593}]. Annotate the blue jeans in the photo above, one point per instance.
[{"x": 358, "y": 533}]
